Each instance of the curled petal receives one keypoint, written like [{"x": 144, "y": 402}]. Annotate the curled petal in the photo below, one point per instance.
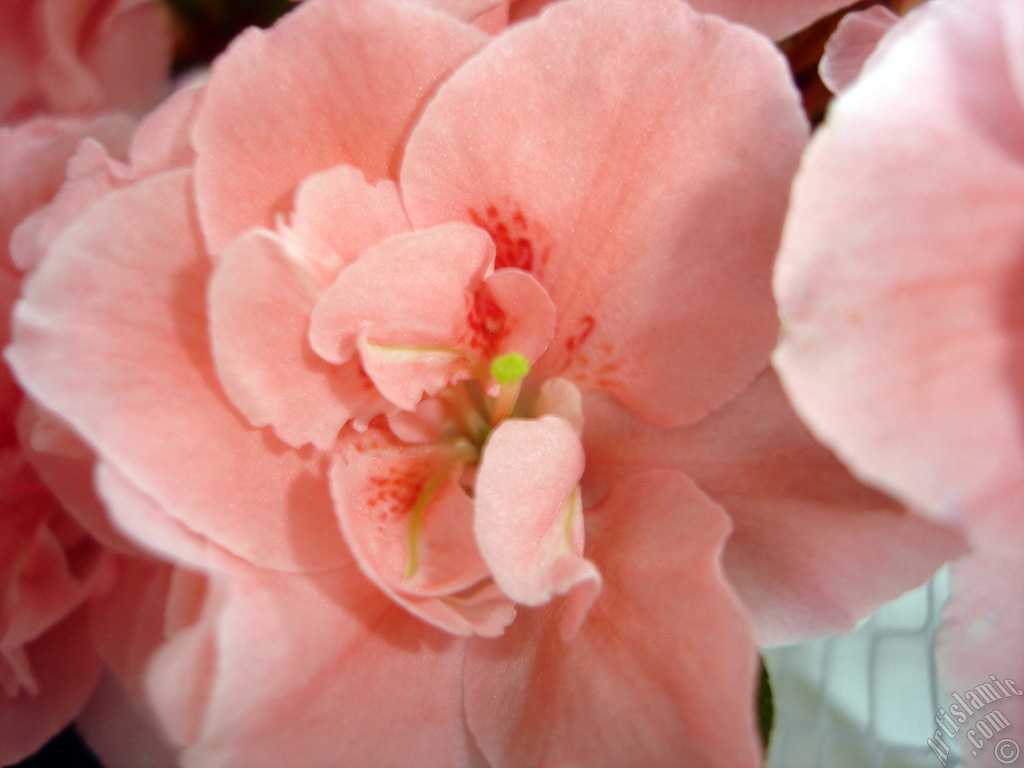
[
  {"x": 529, "y": 520},
  {"x": 409, "y": 525},
  {"x": 854, "y": 40},
  {"x": 665, "y": 637},
  {"x": 339, "y": 214},
  {"x": 405, "y": 305},
  {"x": 260, "y": 300}
]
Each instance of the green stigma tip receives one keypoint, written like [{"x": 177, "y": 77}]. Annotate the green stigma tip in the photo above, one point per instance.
[{"x": 510, "y": 368}]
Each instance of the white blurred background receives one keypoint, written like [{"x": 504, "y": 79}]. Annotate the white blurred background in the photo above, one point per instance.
[{"x": 867, "y": 699}]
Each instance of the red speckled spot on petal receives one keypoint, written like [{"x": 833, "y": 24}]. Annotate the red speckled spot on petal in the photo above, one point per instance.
[
  {"x": 392, "y": 492},
  {"x": 486, "y": 326},
  {"x": 514, "y": 240}
]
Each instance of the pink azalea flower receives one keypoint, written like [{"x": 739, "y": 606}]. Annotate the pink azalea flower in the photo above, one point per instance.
[
  {"x": 900, "y": 284},
  {"x": 61, "y": 63},
  {"x": 443, "y": 364}
]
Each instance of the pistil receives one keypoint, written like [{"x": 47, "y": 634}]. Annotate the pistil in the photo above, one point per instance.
[{"x": 508, "y": 371}]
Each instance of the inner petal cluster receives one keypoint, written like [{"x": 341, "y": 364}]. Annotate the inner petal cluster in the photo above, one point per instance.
[{"x": 455, "y": 473}]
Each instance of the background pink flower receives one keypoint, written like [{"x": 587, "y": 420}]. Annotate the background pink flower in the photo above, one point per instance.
[
  {"x": 899, "y": 283},
  {"x": 82, "y": 57},
  {"x": 62, "y": 63}
]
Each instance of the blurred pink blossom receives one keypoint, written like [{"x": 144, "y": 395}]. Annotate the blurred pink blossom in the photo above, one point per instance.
[
  {"x": 900, "y": 286},
  {"x": 62, "y": 64}
]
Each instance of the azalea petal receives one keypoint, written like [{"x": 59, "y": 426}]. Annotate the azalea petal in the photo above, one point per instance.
[
  {"x": 91, "y": 174},
  {"x": 78, "y": 349},
  {"x": 641, "y": 208},
  {"x": 333, "y": 660},
  {"x": 86, "y": 48},
  {"x": 854, "y": 40},
  {"x": 528, "y": 320},
  {"x": 149, "y": 527},
  {"x": 529, "y": 523},
  {"x": 467, "y": 10},
  {"x": 333, "y": 82},
  {"x": 41, "y": 586},
  {"x": 163, "y": 139},
  {"x": 902, "y": 345},
  {"x": 141, "y": 32},
  {"x": 34, "y": 158},
  {"x": 339, "y": 214},
  {"x": 405, "y": 305},
  {"x": 776, "y": 18},
  {"x": 260, "y": 300},
  {"x": 410, "y": 527},
  {"x": 979, "y": 640},
  {"x": 65, "y": 668},
  {"x": 127, "y": 622},
  {"x": 67, "y": 466},
  {"x": 180, "y": 675},
  {"x": 661, "y": 672},
  {"x": 813, "y": 551}
]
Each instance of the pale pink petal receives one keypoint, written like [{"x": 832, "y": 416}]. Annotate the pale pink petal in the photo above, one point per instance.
[
  {"x": 405, "y": 306},
  {"x": 91, "y": 174},
  {"x": 1012, "y": 15},
  {"x": 181, "y": 673},
  {"x": 467, "y": 10},
  {"x": 813, "y": 551},
  {"x": 982, "y": 624},
  {"x": 163, "y": 141},
  {"x": 127, "y": 622},
  {"x": 559, "y": 397},
  {"x": 147, "y": 525},
  {"x": 900, "y": 283},
  {"x": 410, "y": 527},
  {"x": 585, "y": 143},
  {"x": 661, "y": 673},
  {"x": 308, "y": 669},
  {"x": 153, "y": 626},
  {"x": 118, "y": 307},
  {"x": 528, "y": 315},
  {"x": 65, "y": 668},
  {"x": 338, "y": 215},
  {"x": 333, "y": 82},
  {"x": 529, "y": 522},
  {"x": 34, "y": 156},
  {"x": 67, "y": 466},
  {"x": 854, "y": 40},
  {"x": 901, "y": 344},
  {"x": 10, "y": 290},
  {"x": 260, "y": 300}
]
